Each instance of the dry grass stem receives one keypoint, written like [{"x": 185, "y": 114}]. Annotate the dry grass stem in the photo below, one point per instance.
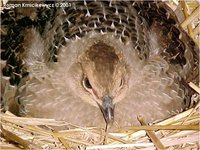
[
  {"x": 151, "y": 135},
  {"x": 189, "y": 18}
]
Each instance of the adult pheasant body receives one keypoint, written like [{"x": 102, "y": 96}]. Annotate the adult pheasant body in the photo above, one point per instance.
[{"x": 99, "y": 62}]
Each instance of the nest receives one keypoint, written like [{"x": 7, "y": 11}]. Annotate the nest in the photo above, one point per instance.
[{"x": 178, "y": 132}]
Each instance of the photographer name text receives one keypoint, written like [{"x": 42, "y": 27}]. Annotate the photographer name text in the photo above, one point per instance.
[{"x": 36, "y": 5}]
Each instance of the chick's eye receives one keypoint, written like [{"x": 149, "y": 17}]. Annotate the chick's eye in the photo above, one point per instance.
[{"x": 86, "y": 83}]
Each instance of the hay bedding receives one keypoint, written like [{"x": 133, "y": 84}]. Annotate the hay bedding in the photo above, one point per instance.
[{"x": 178, "y": 132}]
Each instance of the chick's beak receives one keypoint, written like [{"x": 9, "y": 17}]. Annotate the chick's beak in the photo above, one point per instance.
[{"x": 107, "y": 109}]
